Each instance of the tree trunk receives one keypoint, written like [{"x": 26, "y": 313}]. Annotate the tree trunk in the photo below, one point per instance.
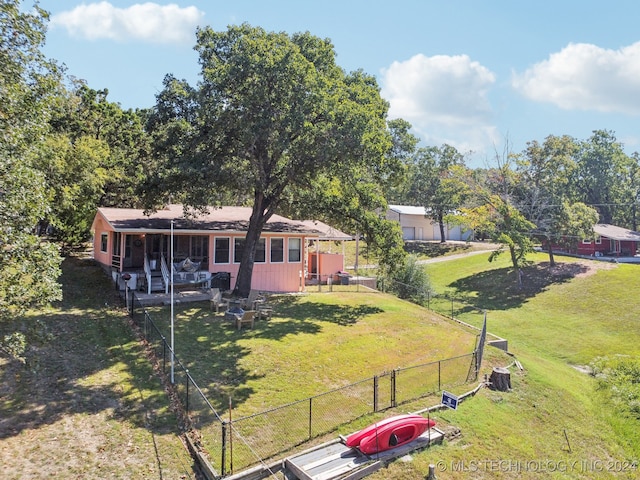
[
  {"x": 441, "y": 223},
  {"x": 552, "y": 261},
  {"x": 256, "y": 223},
  {"x": 500, "y": 379},
  {"x": 514, "y": 261}
]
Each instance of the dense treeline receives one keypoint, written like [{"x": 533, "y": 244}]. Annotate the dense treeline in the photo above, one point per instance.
[{"x": 274, "y": 124}]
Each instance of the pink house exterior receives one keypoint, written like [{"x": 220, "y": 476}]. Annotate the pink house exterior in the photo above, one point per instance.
[{"x": 128, "y": 241}]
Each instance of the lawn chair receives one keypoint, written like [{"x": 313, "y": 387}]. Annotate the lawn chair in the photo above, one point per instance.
[
  {"x": 263, "y": 310},
  {"x": 250, "y": 302},
  {"x": 247, "y": 318},
  {"x": 217, "y": 301}
]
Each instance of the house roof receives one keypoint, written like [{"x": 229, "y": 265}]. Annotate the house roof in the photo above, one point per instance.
[
  {"x": 409, "y": 210},
  {"x": 616, "y": 233},
  {"x": 327, "y": 232},
  {"x": 220, "y": 219}
]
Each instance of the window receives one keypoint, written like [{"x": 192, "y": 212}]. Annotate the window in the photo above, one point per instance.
[
  {"x": 221, "y": 247},
  {"x": 586, "y": 242},
  {"x": 277, "y": 250},
  {"x": 115, "y": 247},
  {"x": 238, "y": 248},
  {"x": 103, "y": 242},
  {"x": 598, "y": 240},
  {"x": 294, "y": 250},
  {"x": 261, "y": 251}
]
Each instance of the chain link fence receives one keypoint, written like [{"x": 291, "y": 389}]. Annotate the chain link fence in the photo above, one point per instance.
[{"x": 244, "y": 442}]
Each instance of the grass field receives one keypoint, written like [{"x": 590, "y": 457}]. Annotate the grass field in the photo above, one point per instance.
[
  {"x": 89, "y": 405},
  {"x": 555, "y": 423}
]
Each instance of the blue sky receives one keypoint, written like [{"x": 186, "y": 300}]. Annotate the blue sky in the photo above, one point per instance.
[{"x": 464, "y": 72}]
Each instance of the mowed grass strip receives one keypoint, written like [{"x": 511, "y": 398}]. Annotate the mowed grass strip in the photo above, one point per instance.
[{"x": 314, "y": 343}]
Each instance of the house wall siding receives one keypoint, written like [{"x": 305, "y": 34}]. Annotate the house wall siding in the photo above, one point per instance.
[
  {"x": 103, "y": 258},
  {"x": 419, "y": 227}
]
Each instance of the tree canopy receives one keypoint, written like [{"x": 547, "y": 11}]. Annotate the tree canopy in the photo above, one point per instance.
[
  {"x": 272, "y": 119},
  {"x": 29, "y": 268}
]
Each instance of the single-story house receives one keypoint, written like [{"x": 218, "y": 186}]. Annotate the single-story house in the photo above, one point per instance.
[
  {"x": 610, "y": 241},
  {"x": 418, "y": 224},
  {"x": 206, "y": 248}
]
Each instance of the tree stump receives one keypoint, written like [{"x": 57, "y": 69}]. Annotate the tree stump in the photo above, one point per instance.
[{"x": 500, "y": 379}]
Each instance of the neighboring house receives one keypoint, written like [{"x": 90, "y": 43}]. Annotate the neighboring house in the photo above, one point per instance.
[
  {"x": 610, "y": 241},
  {"x": 206, "y": 249},
  {"x": 417, "y": 224}
]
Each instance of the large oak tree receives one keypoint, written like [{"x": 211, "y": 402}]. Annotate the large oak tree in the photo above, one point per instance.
[{"x": 273, "y": 117}]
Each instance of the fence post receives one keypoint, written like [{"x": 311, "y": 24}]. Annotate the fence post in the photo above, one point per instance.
[
  {"x": 375, "y": 393},
  {"x": 223, "y": 460},
  {"x": 310, "y": 410},
  {"x": 164, "y": 354},
  {"x": 393, "y": 388},
  {"x": 186, "y": 407}
]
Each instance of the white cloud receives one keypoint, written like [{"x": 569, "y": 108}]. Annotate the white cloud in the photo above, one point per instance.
[
  {"x": 149, "y": 22},
  {"x": 586, "y": 77},
  {"x": 444, "y": 98}
]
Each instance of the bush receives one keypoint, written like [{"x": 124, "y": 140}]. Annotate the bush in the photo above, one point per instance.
[
  {"x": 411, "y": 281},
  {"x": 620, "y": 377}
]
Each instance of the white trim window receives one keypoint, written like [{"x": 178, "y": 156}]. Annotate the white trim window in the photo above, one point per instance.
[
  {"x": 276, "y": 251},
  {"x": 104, "y": 242},
  {"x": 221, "y": 253},
  {"x": 261, "y": 253},
  {"x": 238, "y": 248},
  {"x": 586, "y": 242},
  {"x": 598, "y": 240},
  {"x": 295, "y": 250}
]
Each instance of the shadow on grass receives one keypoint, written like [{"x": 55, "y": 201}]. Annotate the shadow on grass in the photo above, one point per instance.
[
  {"x": 345, "y": 315},
  {"x": 498, "y": 289},
  {"x": 209, "y": 346},
  {"x": 434, "y": 249},
  {"x": 85, "y": 360}
]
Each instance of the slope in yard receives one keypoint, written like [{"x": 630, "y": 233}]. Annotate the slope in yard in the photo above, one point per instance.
[{"x": 86, "y": 404}]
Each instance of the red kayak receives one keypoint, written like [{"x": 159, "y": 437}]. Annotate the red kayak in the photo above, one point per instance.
[{"x": 389, "y": 433}]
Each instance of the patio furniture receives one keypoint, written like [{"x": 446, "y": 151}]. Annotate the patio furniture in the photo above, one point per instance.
[
  {"x": 250, "y": 302},
  {"x": 264, "y": 311},
  {"x": 217, "y": 301},
  {"x": 247, "y": 318}
]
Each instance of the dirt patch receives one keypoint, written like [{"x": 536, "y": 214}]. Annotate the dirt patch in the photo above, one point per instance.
[
  {"x": 577, "y": 269},
  {"x": 86, "y": 403}
]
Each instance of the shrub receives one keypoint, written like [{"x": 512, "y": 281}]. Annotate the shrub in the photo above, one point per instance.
[{"x": 411, "y": 281}]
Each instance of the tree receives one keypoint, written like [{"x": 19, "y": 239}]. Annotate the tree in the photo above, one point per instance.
[
  {"x": 601, "y": 176},
  {"x": 546, "y": 196},
  {"x": 29, "y": 268},
  {"x": 95, "y": 156},
  {"x": 435, "y": 182},
  {"x": 496, "y": 215},
  {"x": 403, "y": 148},
  {"x": 273, "y": 114}
]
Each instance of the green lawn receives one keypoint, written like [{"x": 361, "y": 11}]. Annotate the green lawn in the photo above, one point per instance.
[
  {"x": 88, "y": 402},
  {"x": 557, "y": 322},
  {"x": 314, "y": 343}
]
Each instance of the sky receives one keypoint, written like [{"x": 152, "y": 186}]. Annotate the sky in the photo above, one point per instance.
[{"x": 483, "y": 76}]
